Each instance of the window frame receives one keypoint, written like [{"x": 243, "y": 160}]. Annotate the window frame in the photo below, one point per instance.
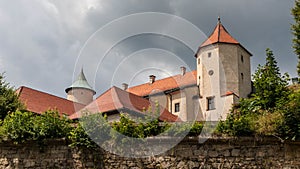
[
  {"x": 177, "y": 107},
  {"x": 211, "y": 103}
]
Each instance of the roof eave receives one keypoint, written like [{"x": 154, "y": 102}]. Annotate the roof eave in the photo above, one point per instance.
[{"x": 212, "y": 44}]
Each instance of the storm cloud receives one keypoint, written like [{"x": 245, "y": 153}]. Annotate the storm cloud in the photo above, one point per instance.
[{"x": 41, "y": 41}]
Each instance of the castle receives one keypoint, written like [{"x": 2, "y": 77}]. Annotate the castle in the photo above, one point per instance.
[{"x": 222, "y": 76}]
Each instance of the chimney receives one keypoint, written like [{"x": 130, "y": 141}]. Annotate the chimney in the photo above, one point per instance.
[
  {"x": 152, "y": 79},
  {"x": 183, "y": 70},
  {"x": 124, "y": 86}
]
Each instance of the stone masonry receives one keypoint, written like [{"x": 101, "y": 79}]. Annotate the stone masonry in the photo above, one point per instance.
[{"x": 189, "y": 154}]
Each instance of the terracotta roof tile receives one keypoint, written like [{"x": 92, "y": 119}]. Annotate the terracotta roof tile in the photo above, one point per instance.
[
  {"x": 118, "y": 99},
  {"x": 39, "y": 102},
  {"x": 165, "y": 84},
  {"x": 220, "y": 34}
]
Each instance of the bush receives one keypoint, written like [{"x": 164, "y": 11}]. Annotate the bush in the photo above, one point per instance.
[
  {"x": 22, "y": 126},
  {"x": 79, "y": 138},
  {"x": 291, "y": 117},
  {"x": 18, "y": 126},
  {"x": 51, "y": 125},
  {"x": 92, "y": 128},
  {"x": 237, "y": 125}
]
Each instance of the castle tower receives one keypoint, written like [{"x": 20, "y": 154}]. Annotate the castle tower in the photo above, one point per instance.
[
  {"x": 224, "y": 75},
  {"x": 80, "y": 91}
]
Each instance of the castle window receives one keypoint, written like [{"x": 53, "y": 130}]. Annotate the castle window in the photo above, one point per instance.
[
  {"x": 210, "y": 103},
  {"x": 242, "y": 76},
  {"x": 242, "y": 58},
  {"x": 209, "y": 54},
  {"x": 198, "y": 61},
  {"x": 177, "y": 107}
]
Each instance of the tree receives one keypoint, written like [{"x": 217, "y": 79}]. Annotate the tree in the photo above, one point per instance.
[
  {"x": 9, "y": 101},
  {"x": 270, "y": 86},
  {"x": 296, "y": 32}
]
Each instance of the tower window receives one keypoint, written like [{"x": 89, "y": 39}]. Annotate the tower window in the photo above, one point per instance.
[
  {"x": 177, "y": 107},
  {"x": 198, "y": 61},
  {"x": 242, "y": 58},
  {"x": 209, "y": 54},
  {"x": 210, "y": 103},
  {"x": 242, "y": 76}
]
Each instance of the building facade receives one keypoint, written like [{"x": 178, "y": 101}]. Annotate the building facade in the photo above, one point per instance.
[{"x": 222, "y": 77}]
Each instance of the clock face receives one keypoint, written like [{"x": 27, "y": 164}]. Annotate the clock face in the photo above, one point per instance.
[{"x": 211, "y": 72}]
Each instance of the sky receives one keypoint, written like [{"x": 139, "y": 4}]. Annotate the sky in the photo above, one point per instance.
[{"x": 44, "y": 44}]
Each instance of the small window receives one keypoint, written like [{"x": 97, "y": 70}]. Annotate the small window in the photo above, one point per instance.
[
  {"x": 242, "y": 76},
  {"x": 198, "y": 61},
  {"x": 209, "y": 54},
  {"x": 177, "y": 107},
  {"x": 242, "y": 58},
  {"x": 210, "y": 103}
]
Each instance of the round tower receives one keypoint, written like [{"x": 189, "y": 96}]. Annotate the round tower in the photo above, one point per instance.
[{"x": 80, "y": 91}]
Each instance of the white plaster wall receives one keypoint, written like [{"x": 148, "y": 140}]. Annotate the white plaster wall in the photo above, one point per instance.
[{"x": 79, "y": 95}]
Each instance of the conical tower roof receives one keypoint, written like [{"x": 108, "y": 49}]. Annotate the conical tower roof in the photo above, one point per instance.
[
  {"x": 81, "y": 82},
  {"x": 221, "y": 35}
]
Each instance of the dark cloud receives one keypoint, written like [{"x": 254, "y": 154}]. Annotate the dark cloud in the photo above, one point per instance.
[{"x": 41, "y": 40}]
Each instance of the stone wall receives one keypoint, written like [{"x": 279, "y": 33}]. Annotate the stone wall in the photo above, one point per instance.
[{"x": 214, "y": 153}]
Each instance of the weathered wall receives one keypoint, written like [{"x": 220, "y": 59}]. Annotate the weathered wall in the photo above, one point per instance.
[{"x": 214, "y": 153}]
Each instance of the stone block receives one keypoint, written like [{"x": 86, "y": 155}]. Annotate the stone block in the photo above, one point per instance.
[{"x": 235, "y": 152}]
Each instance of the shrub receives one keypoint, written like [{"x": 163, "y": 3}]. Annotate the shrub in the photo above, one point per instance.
[
  {"x": 51, "y": 125},
  {"x": 79, "y": 138},
  {"x": 22, "y": 126},
  {"x": 18, "y": 126}
]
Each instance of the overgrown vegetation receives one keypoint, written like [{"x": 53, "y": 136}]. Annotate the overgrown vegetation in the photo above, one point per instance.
[{"x": 23, "y": 126}]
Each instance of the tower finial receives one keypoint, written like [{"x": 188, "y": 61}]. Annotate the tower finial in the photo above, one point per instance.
[{"x": 219, "y": 19}]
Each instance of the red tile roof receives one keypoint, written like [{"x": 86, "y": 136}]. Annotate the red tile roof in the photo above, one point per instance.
[
  {"x": 118, "y": 99},
  {"x": 173, "y": 82},
  {"x": 39, "y": 102},
  {"x": 219, "y": 34}
]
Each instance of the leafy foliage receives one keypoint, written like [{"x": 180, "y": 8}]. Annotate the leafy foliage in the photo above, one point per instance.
[
  {"x": 22, "y": 126},
  {"x": 9, "y": 101},
  {"x": 79, "y": 138},
  {"x": 237, "y": 125},
  {"x": 291, "y": 117},
  {"x": 18, "y": 126},
  {"x": 51, "y": 125},
  {"x": 92, "y": 130},
  {"x": 296, "y": 32},
  {"x": 140, "y": 129}
]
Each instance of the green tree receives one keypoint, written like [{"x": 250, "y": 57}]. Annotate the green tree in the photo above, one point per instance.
[
  {"x": 9, "y": 101},
  {"x": 270, "y": 86},
  {"x": 296, "y": 32}
]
